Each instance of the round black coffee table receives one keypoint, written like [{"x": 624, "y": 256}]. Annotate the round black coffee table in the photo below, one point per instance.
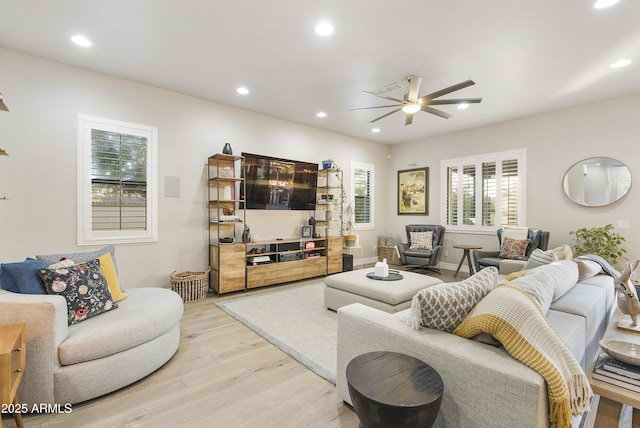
[{"x": 389, "y": 389}]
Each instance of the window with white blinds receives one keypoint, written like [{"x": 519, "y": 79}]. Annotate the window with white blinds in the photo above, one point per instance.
[
  {"x": 484, "y": 192},
  {"x": 362, "y": 191},
  {"x": 117, "y": 190}
]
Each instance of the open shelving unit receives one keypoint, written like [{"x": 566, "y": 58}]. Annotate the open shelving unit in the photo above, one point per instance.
[{"x": 227, "y": 218}]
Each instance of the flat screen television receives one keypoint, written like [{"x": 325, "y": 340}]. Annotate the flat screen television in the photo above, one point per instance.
[{"x": 279, "y": 184}]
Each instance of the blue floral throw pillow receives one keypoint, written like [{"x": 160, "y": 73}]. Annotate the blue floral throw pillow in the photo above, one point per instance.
[{"x": 83, "y": 286}]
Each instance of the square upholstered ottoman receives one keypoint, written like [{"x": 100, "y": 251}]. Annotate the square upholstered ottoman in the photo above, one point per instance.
[{"x": 345, "y": 288}]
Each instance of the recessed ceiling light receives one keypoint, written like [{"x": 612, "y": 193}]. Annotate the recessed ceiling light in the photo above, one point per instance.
[
  {"x": 321, "y": 114},
  {"x": 324, "y": 28},
  {"x": 81, "y": 40},
  {"x": 375, "y": 130},
  {"x": 620, "y": 63},
  {"x": 601, "y": 4},
  {"x": 242, "y": 90},
  {"x": 463, "y": 106}
]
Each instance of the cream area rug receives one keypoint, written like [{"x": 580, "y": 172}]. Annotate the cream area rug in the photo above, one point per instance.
[{"x": 296, "y": 321}]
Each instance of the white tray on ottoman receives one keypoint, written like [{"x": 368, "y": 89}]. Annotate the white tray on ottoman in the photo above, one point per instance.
[{"x": 345, "y": 288}]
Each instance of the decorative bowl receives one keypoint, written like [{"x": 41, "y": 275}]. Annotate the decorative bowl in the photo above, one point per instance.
[{"x": 623, "y": 351}]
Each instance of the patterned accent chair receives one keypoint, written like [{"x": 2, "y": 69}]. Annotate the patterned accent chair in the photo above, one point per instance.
[
  {"x": 422, "y": 258},
  {"x": 537, "y": 239}
]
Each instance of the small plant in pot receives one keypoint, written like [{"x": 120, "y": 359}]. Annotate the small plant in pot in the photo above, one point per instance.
[
  {"x": 347, "y": 227},
  {"x": 601, "y": 241}
]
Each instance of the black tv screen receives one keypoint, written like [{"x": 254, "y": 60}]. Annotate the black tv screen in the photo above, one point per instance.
[{"x": 279, "y": 184}]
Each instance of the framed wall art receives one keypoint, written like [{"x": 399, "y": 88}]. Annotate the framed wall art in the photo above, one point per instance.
[{"x": 413, "y": 191}]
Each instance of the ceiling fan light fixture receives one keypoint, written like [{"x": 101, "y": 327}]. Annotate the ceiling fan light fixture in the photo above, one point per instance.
[
  {"x": 463, "y": 106},
  {"x": 375, "y": 130},
  {"x": 411, "y": 108}
]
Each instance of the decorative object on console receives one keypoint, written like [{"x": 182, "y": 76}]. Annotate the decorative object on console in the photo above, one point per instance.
[
  {"x": 626, "y": 352},
  {"x": 3, "y": 106},
  {"x": 3, "y": 152},
  {"x": 628, "y": 298},
  {"x": 306, "y": 232},
  {"x": 413, "y": 191},
  {"x": 227, "y": 149}
]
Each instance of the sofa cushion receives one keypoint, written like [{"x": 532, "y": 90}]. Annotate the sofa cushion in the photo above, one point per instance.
[
  {"x": 444, "y": 306},
  {"x": 588, "y": 302},
  {"x": 587, "y": 268},
  {"x": 513, "y": 248},
  {"x": 83, "y": 286},
  {"x": 22, "y": 277},
  {"x": 421, "y": 240},
  {"x": 549, "y": 282},
  {"x": 572, "y": 330},
  {"x": 50, "y": 259},
  {"x": 539, "y": 257},
  {"x": 147, "y": 313},
  {"x": 110, "y": 274}
]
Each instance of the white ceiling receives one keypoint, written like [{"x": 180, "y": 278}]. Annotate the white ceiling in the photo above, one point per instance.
[{"x": 526, "y": 56}]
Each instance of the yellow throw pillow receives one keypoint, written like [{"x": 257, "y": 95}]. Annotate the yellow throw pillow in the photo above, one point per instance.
[
  {"x": 517, "y": 274},
  {"x": 109, "y": 272}
]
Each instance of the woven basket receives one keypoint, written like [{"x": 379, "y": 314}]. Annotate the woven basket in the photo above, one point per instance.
[
  {"x": 191, "y": 286},
  {"x": 390, "y": 253}
]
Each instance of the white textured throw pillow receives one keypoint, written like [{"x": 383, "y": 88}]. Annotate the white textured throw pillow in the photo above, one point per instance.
[
  {"x": 539, "y": 258},
  {"x": 421, "y": 240},
  {"x": 444, "y": 306}
]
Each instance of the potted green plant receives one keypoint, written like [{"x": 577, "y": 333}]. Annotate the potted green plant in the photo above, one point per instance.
[{"x": 601, "y": 241}]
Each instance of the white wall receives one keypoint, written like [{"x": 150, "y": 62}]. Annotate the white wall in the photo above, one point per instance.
[
  {"x": 39, "y": 176},
  {"x": 554, "y": 142}
]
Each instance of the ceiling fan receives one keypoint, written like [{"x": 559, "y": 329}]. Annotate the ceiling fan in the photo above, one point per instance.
[{"x": 413, "y": 102}]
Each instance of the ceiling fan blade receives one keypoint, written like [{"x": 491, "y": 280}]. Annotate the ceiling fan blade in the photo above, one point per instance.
[
  {"x": 414, "y": 88},
  {"x": 436, "y": 112},
  {"x": 366, "y": 108},
  {"x": 456, "y": 101},
  {"x": 385, "y": 115},
  {"x": 386, "y": 98},
  {"x": 447, "y": 90},
  {"x": 408, "y": 119}
]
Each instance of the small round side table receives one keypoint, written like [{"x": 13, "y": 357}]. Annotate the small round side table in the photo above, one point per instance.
[
  {"x": 389, "y": 389},
  {"x": 466, "y": 255}
]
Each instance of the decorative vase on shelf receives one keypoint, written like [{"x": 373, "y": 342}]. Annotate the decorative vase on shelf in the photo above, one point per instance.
[{"x": 227, "y": 149}]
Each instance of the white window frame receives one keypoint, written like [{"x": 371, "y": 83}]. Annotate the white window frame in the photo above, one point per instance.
[
  {"x": 87, "y": 236},
  {"x": 371, "y": 168},
  {"x": 520, "y": 155}
]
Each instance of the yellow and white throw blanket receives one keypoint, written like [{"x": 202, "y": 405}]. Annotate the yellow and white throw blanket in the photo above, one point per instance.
[{"x": 510, "y": 315}]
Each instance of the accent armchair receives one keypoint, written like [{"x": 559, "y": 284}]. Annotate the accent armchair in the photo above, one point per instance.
[
  {"x": 537, "y": 239},
  {"x": 418, "y": 253}
]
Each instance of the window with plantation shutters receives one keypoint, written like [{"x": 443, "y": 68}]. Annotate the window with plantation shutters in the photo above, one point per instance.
[
  {"x": 117, "y": 163},
  {"x": 362, "y": 191},
  {"x": 484, "y": 192}
]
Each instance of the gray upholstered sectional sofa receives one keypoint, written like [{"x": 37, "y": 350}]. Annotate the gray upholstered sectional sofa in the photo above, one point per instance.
[{"x": 483, "y": 385}]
